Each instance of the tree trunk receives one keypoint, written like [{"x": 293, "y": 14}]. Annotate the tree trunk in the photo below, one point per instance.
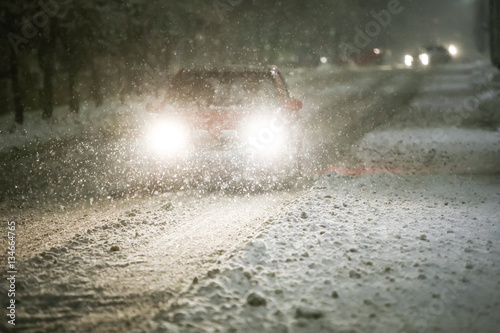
[
  {"x": 14, "y": 77},
  {"x": 122, "y": 79},
  {"x": 16, "y": 89},
  {"x": 46, "y": 60},
  {"x": 130, "y": 63},
  {"x": 47, "y": 96},
  {"x": 72, "y": 60},
  {"x": 96, "y": 84},
  {"x": 74, "y": 102}
]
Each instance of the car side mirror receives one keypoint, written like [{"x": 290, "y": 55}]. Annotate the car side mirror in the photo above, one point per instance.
[{"x": 293, "y": 104}]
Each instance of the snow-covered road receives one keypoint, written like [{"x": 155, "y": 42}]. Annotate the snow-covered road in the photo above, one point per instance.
[
  {"x": 122, "y": 267},
  {"x": 396, "y": 231},
  {"x": 371, "y": 253}
]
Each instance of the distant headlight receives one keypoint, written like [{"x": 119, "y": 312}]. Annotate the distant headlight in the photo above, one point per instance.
[
  {"x": 408, "y": 60},
  {"x": 453, "y": 50},
  {"x": 167, "y": 137},
  {"x": 424, "y": 59}
]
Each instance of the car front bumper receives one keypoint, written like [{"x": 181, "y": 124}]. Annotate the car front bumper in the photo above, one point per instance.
[{"x": 209, "y": 165}]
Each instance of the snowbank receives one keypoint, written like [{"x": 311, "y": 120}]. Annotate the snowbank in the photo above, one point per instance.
[
  {"x": 374, "y": 253},
  {"x": 441, "y": 150}
]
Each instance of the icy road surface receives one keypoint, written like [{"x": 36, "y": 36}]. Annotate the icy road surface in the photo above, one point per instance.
[{"x": 396, "y": 231}]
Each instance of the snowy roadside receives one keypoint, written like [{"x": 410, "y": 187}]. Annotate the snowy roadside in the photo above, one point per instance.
[
  {"x": 431, "y": 150},
  {"x": 371, "y": 253},
  {"x": 451, "y": 125}
]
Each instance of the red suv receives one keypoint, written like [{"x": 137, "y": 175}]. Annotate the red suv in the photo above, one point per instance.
[{"x": 226, "y": 123}]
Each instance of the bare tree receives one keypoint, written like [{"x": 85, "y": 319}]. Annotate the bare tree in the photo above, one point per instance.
[{"x": 9, "y": 18}]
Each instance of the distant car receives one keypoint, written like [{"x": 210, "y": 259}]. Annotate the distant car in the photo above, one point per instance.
[
  {"x": 429, "y": 56},
  {"x": 227, "y": 124},
  {"x": 438, "y": 54}
]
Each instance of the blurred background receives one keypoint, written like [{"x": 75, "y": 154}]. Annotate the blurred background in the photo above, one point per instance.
[{"x": 71, "y": 52}]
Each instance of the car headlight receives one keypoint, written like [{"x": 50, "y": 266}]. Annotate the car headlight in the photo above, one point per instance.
[
  {"x": 453, "y": 50},
  {"x": 167, "y": 137},
  {"x": 408, "y": 60},
  {"x": 424, "y": 59},
  {"x": 266, "y": 136}
]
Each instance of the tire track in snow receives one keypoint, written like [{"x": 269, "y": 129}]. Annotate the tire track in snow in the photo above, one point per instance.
[{"x": 120, "y": 271}]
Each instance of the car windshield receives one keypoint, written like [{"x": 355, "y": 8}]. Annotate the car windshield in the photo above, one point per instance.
[{"x": 224, "y": 89}]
